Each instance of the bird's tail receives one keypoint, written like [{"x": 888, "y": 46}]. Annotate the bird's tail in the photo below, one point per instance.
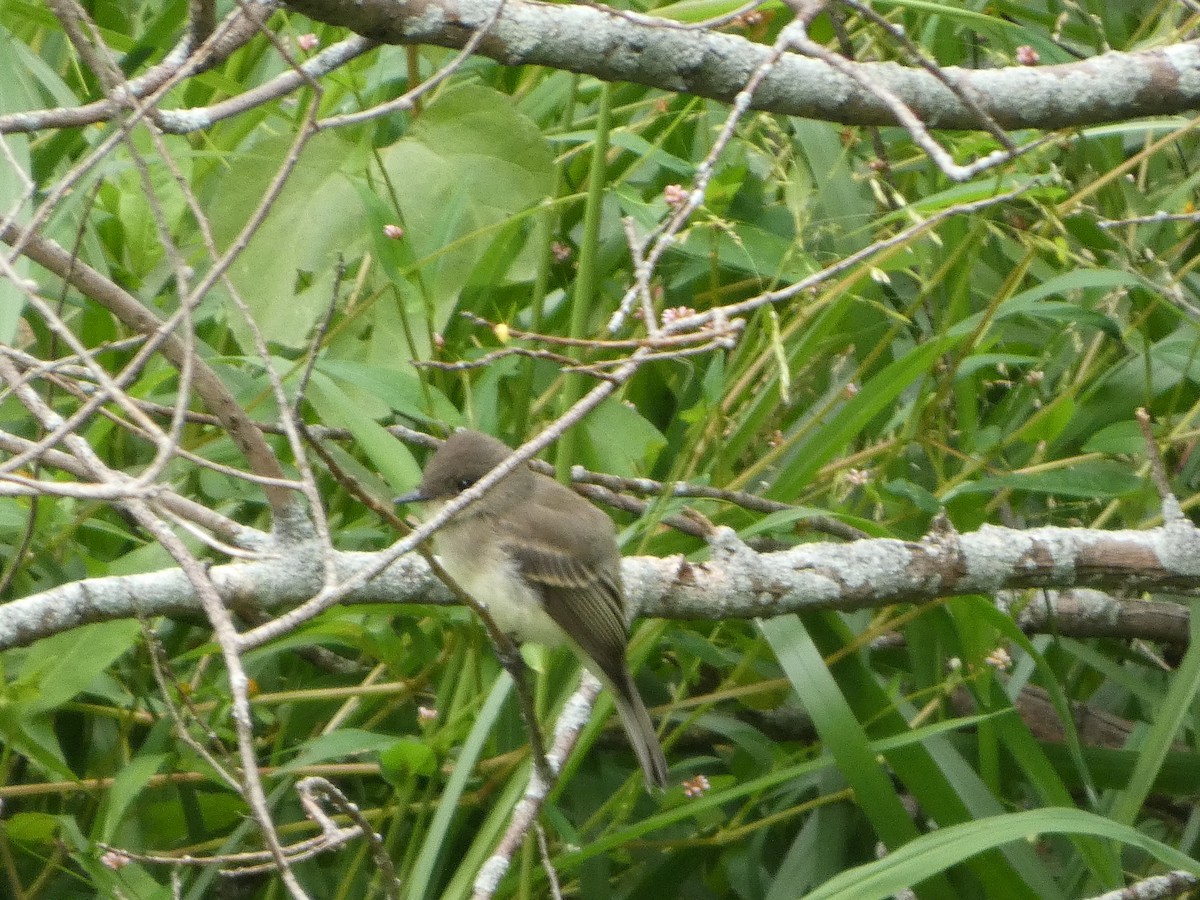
[{"x": 640, "y": 729}]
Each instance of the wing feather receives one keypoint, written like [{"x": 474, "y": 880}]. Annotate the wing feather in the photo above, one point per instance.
[{"x": 569, "y": 555}]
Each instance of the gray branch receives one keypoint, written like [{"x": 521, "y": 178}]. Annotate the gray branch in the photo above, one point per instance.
[
  {"x": 736, "y": 583},
  {"x": 614, "y": 47}
]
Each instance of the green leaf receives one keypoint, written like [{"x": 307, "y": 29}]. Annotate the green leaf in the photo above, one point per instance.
[
  {"x": 393, "y": 459},
  {"x": 60, "y": 667},
  {"x": 345, "y": 742},
  {"x": 17, "y": 93},
  {"x": 130, "y": 781},
  {"x": 435, "y": 843},
  {"x": 400, "y": 389},
  {"x": 917, "y": 495},
  {"x": 1176, "y": 707},
  {"x": 32, "y": 828},
  {"x": 286, "y": 272},
  {"x": 1182, "y": 355},
  {"x": 990, "y": 361},
  {"x": 1051, "y": 420},
  {"x": 840, "y": 732},
  {"x": 33, "y": 736},
  {"x": 781, "y": 520},
  {"x": 937, "y": 851},
  {"x": 406, "y": 757},
  {"x": 647, "y": 152},
  {"x": 470, "y": 163},
  {"x": 1117, "y": 438},
  {"x": 619, "y": 440},
  {"x": 849, "y": 421},
  {"x": 1099, "y": 478}
]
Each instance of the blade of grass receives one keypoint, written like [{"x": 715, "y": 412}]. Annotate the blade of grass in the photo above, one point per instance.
[
  {"x": 1175, "y": 707},
  {"x": 944, "y": 783},
  {"x": 935, "y": 851},
  {"x": 435, "y": 839},
  {"x": 844, "y": 737}
]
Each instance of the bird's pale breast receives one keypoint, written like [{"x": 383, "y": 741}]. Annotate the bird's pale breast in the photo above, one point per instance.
[{"x": 470, "y": 552}]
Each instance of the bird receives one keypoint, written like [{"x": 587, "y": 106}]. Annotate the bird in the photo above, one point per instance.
[{"x": 545, "y": 564}]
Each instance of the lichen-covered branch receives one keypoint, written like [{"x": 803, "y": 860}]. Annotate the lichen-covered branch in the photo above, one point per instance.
[
  {"x": 594, "y": 41},
  {"x": 736, "y": 583}
]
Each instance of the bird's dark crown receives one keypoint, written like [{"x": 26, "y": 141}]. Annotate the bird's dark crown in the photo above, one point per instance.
[{"x": 460, "y": 462}]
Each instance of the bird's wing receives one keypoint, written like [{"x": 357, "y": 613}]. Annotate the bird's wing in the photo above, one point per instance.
[{"x": 578, "y": 581}]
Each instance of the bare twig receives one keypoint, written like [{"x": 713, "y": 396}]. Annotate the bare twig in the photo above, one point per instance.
[
  {"x": 217, "y": 397},
  {"x": 798, "y": 38},
  {"x": 846, "y": 263},
  {"x": 964, "y": 96},
  {"x": 1170, "y": 504},
  {"x": 1151, "y": 219},
  {"x": 159, "y": 666},
  {"x": 664, "y": 236},
  {"x": 1156, "y": 887},
  {"x": 312, "y": 790},
  {"x": 411, "y": 97},
  {"x": 743, "y": 499},
  {"x": 574, "y": 717},
  {"x": 206, "y": 593}
]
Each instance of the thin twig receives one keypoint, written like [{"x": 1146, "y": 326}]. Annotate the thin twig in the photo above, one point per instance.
[
  {"x": 407, "y": 100},
  {"x": 914, "y": 52},
  {"x": 1171, "y": 510},
  {"x": 571, "y": 722},
  {"x": 159, "y": 667},
  {"x": 310, "y": 789}
]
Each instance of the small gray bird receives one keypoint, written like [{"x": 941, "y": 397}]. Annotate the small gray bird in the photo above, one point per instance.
[{"x": 545, "y": 563}]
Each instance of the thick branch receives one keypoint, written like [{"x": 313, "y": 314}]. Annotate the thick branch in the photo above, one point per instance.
[
  {"x": 593, "y": 41},
  {"x": 737, "y": 583}
]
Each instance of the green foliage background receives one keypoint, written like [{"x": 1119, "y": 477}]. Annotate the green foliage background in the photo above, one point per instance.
[{"x": 990, "y": 367}]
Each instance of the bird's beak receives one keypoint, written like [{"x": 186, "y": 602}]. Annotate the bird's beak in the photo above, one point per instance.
[{"x": 414, "y": 496}]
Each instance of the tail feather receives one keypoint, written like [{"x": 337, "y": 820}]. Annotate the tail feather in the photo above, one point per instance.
[{"x": 641, "y": 732}]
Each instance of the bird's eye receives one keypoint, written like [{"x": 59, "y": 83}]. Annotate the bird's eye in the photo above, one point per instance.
[{"x": 464, "y": 483}]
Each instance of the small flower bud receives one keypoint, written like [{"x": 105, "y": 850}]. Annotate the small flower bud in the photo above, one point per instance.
[{"x": 1027, "y": 56}]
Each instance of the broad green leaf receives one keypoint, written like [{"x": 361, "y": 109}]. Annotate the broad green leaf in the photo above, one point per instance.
[
  {"x": 129, "y": 783},
  {"x": 17, "y": 93},
  {"x": 470, "y": 163},
  {"x": 392, "y": 459},
  {"x": 1050, "y": 420},
  {"x": 31, "y": 828},
  {"x": 1181, "y": 355},
  {"x": 406, "y": 757},
  {"x": 914, "y": 493},
  {"x": 286, "y": 272},
  {"x": 400, "y": 389},
  {"x": 60, "y": 667},
  {"x": 643, "y": 149},
  {"x": 33, "y": 736},
  {"x": 1118, "y": 438},
  {"x": 619, "y": 440}
]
